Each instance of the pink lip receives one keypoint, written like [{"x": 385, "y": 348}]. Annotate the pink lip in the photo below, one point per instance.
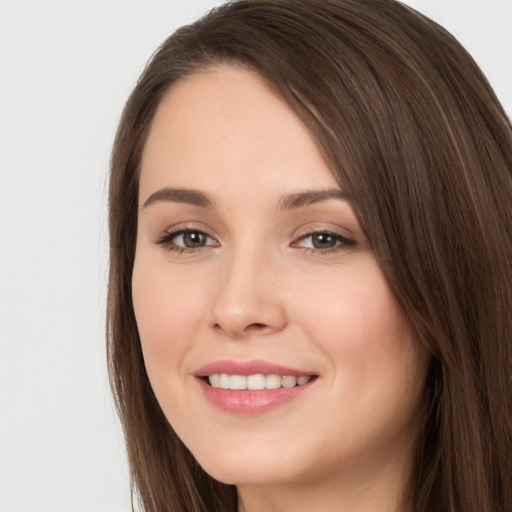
[{"x": 249, "y": 402}]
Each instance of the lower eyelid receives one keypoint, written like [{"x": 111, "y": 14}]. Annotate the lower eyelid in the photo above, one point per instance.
[{"x": 323, "y": 252}]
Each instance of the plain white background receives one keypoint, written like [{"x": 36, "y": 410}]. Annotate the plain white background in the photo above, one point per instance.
[{"x": 66, "y": 68}]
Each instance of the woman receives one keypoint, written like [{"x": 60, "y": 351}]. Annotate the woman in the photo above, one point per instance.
[{"x": 311, "y": 262}]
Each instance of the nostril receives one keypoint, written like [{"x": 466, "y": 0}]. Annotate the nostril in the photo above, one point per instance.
[{"x": 256, "y": 326}]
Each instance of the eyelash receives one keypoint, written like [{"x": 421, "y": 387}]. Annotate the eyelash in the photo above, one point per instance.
[
  {"x": 341, "y": 242},
  {"x": 166, "y": 240}
]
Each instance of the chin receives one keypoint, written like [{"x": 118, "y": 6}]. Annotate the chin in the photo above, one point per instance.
[
  {"x": 263, "y": 466},
  {"x": 247, "y": 472}
]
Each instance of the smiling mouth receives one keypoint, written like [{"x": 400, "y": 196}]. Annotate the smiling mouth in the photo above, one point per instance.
[
  {"x": 252, "y": 387},
  {"x": 256, "y": 382}
]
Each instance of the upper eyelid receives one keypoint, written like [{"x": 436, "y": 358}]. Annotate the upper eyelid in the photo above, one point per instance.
[
  {"x": 307, "y": 230},
  {"x": 172, "y": 233},
  {"x": 176, "y": 230},
  {"x": 324, "y": 227},
  {"x": 180, "y": 228}
]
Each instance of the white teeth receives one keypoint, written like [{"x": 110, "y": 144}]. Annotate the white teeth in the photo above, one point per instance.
[
  {"x": 256, "y": 382},
  {"x": 288, "y": 381},
  {"x": 237, "y": 382},
  {"x": 215, "y": 380},
  {"x": 223, "y": 381},
  {"x": 273, "y": 381},
  {"x": 303, "y": 380}
]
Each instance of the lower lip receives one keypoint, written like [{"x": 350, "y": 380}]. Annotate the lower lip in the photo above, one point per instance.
[{"x": 251, "y": 402}]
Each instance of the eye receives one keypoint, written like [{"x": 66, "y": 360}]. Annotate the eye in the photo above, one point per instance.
[
  {"x": 186, "y": 240},
  {"x": 321, "y": 242},
  {"x": 191, "y": 239}
]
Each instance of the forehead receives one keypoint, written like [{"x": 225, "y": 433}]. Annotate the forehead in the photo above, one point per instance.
[{"x": 226, "y": 124}]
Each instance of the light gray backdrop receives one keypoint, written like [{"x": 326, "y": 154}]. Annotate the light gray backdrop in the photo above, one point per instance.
[{"x": 66, "y": 68}]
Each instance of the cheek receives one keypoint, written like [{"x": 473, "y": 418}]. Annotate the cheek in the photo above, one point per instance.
[
  {"x": 358, "y": 324},
  {"x": 167, "y": 309},
  {"x": 354, "y": 312}
]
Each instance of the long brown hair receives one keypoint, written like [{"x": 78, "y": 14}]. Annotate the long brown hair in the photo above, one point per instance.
[{"x": 416, "y": 136}]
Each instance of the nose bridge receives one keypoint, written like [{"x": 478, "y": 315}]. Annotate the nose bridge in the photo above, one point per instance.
[{"x": 247, "y": 299}]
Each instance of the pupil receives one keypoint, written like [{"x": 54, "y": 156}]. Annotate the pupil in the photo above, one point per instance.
[
  {"x": 323, "y": 240},
  {"x": 193, "y": 239}
]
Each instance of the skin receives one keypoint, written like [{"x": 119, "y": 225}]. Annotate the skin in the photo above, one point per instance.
[{"x": 256, "y": 287}]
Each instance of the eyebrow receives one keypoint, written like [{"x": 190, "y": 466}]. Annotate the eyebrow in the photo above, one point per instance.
[
  {"x": 179, "y": 195},
  {"x": 301, "y": 199},
  {"x": 197, "y": 198}
]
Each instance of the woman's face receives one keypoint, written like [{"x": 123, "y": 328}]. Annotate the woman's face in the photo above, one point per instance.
[{"x": 252, "y": 267}]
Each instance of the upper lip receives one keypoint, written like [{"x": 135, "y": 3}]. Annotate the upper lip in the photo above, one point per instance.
[{"x": 248, "y": 368}]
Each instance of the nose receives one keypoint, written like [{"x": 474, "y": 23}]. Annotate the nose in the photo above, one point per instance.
[{"x": 249, "y": 297}]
